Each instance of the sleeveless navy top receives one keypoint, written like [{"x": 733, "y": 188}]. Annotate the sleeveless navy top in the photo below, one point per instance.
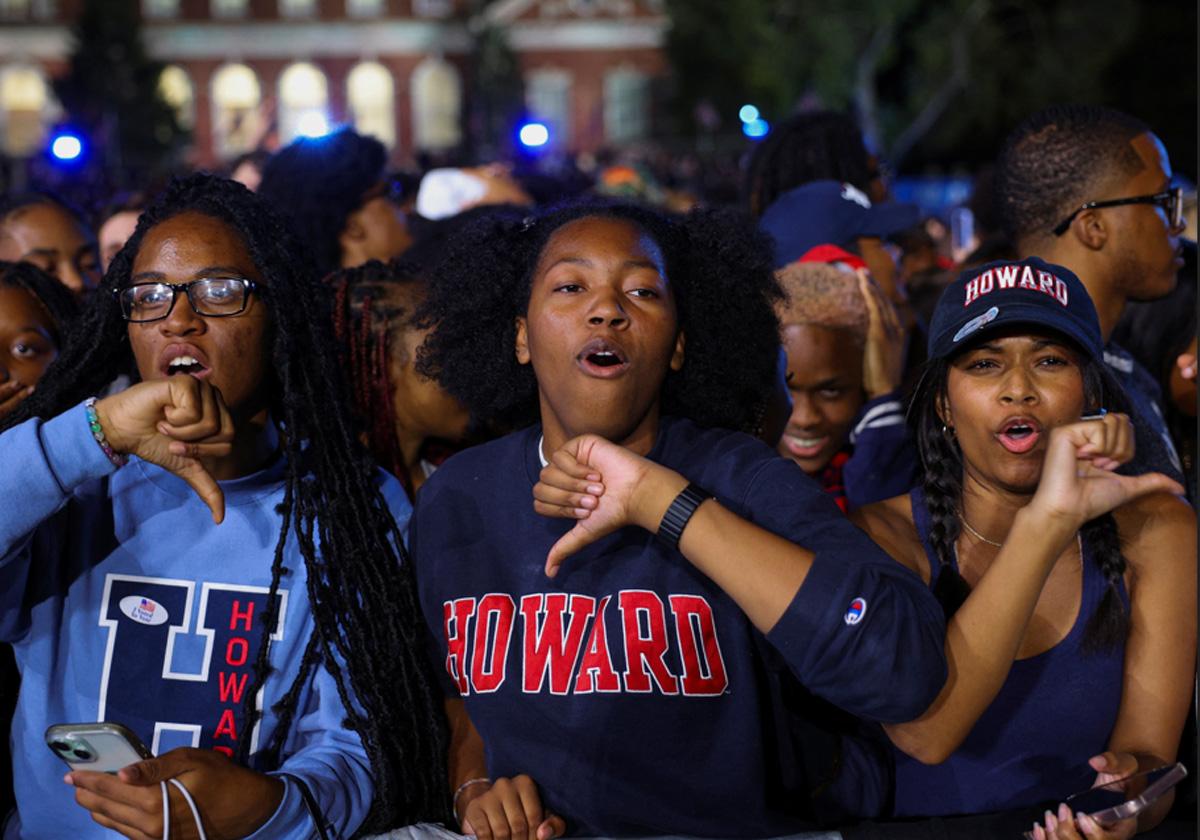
[{"x": 1031, "y": 745}]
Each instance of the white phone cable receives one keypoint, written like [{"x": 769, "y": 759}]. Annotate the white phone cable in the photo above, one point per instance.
[{"x": 166, "y": 799}]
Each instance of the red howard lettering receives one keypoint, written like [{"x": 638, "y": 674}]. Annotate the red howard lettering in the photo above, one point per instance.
[
  {"x": 595, "y": 669},
  {"x": 456, "y": 623},
  {"x": 489, "y": 649},
  {"x": 552, "y": 647},
  {"x": 699, "y": 649},
  {"x": 642, "y": 652}
]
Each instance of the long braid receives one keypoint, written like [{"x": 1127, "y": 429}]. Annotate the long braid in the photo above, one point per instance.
[
  {"x": 368, "y": 627},
  {"x": 1109, "y": 624},
  {"x": 941, "y": 482}
]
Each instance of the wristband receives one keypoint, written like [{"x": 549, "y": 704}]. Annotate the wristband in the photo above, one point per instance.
[
  {"x": 458, "y": 792},
  {"x": 670, "y": 530},
  {"x": 98, "y": 433}
]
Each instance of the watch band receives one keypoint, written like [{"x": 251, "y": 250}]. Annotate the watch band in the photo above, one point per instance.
[{"x": 670, "y": 530}]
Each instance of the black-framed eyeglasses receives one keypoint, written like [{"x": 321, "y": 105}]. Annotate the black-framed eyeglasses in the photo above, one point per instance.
[
  {"x": 1171, "y": 201},
  {"x": 212, "y": 297}
]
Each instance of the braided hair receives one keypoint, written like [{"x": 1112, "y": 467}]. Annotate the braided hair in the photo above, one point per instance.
[
  {"x": 367, "y": 633},
  {"x": 942, "y": 484},
  {"x": 369, "y": 312},
  {"x": 720, "y": 271},
  {"x": 823, "y": 145},
  {"x": 55, "y": 298}
]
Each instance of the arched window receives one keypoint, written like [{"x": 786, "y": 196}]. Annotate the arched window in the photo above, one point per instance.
[
  {"x": 437, "y": 105},
  {"x": 370, "y": 93},
  {"x": 175, "y": 87},
  {"x": 303, "y": 102},
  {"x": 235, "y": 97},
  {"x": 626, "y": 106},
  {"x": 548, "y": 98},
  {"x": 25, "y": 102}
]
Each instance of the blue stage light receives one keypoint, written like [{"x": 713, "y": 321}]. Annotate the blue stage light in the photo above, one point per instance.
[
  {"x": 534, "y": 135},
  {"x": 313, "y": 124},
  {"x": 66, "y": 147},
  {"x": 756, "y": 129},
  {"x": 748, "y": 113}
]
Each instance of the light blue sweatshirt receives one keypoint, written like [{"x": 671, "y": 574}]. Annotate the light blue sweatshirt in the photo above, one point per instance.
[{"x": 125, "y": 603}]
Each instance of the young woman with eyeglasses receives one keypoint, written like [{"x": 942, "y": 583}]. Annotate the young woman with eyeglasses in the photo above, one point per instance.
[{"x": 209, "y": 557}]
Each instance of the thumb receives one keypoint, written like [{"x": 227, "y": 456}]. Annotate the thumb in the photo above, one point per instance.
[
  {"x": 1147, "y": 483},
  {"x": 465, "y": 827},
  {"x": 551, "y": 827},
  {"x": 568, "y": 544},
  {"x": 206, "y": 488},
  {"x": 151, "y": 771}
]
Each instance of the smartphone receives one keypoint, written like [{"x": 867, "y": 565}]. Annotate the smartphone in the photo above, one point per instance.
[
  {"x": 103, "y": 747},
  {"x": 1126, "y": 797}
]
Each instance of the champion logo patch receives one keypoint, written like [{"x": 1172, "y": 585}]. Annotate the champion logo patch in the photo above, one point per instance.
[
  {"x": 976, "y": 324},
  {"x": 858, "y": 608},
  {"x": 143, "y": 610}
]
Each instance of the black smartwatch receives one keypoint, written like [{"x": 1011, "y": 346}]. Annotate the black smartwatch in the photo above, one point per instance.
[{"x": 670, "y": 530}]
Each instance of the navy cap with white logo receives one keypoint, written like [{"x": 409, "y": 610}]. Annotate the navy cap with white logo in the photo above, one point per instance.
[{"x": 1030, "y": 292}]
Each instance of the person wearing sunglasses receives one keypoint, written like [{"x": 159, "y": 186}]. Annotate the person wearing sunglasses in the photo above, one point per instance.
[{"x": 1090, "y": 188}]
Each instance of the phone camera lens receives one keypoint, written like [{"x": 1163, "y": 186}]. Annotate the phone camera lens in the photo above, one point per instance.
[
  {"x": 82, "y": 755},
  {"x": 61, "y": 746}
]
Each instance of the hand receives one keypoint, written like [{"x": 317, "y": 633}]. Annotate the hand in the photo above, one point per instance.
[
  {"x": 1111, "y": 767},
  {"x": 883, "y": 358},
  {"x": 604, "y": 487},
  {"x": 233, "y": 801},
  {"x": 12, "y": 393},
  {"x": 510, "y": 809},
  {"x": 1078, "y": 483},
  {"x": 1181, "y": 382},
  {"x": 174, "y": 423}
]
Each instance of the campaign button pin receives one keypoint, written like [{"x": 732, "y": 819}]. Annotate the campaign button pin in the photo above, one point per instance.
[{"x": 976, "y": 324}]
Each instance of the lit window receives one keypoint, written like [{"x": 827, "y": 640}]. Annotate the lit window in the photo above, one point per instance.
[
  {"x": 433, "y": 8},
  {"x": 548, "y": 98},
  {"x": 364, "y": 8},
  {"x": 303, "y": 102},
  {"x": 24, "y": 101},
  {"x": 229, "y": 8},
  {"x": 14, "y": 9},
  {"x": 297, "y": 8},
  {"x": 437, "y": 105},
  {"x": 626, "y": 106},
  {"x": 160, "y": 9},
  {"x": 371, "y": 94},
  {"x": 176, "y": 90},
  {"x": 236, "y": 96}
]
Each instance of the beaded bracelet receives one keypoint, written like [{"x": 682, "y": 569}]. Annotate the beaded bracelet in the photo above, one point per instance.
[{"x": 98, "y": 433}]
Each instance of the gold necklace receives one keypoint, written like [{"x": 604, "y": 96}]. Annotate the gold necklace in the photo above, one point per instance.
[{"x": 976, "y": 534}]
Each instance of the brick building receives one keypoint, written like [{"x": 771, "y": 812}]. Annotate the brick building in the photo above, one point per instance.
[{"x": 393, "y": 68}]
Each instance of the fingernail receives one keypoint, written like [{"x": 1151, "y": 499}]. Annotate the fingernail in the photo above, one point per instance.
[
  {"x": 593, "y": 477},
  {"x": 1064, "y": 813},
  {"x": 595, "y": 489},
  {"x": 29, "y": 390},
  {"x": 1051, "y": 821},
  {"x": 67, "y": 778}
]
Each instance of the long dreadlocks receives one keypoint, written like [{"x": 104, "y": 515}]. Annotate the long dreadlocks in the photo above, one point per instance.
[{"x": 368, "y": 631}]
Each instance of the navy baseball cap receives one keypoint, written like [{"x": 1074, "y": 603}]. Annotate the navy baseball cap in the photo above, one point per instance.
[
  {"x": 1030, "y": 292},
  {"x": 829, "y": 213}
]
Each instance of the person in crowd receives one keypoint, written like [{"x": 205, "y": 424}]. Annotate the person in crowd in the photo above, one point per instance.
[
  {"x": 1070, "y": 589},
  {"x": 35, "y": 313},
  {"x": 845, "y": 350},
  {"x": 336, "y": 193},
  {"x": 247, "y": 168},
  {"x": 625, "y": 592},
  {"x": 118, "y": 223},
  {"x": 209, "y": 557},
  {"x": 1089, "y": 188},
  {"x": 411, "y": 423},
  {"x": 41, "y": 229}
]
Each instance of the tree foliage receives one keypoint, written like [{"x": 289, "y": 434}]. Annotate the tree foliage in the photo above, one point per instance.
[
  {"x": 110, "y": 91},
  {"x": 928, "y": 79}
]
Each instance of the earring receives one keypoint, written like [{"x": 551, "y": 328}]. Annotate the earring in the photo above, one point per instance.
[{"x": 947, "y": 432}]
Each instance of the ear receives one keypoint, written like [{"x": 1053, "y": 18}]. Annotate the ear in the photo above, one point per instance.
[
  {"x": 943, "y": 412},
  {"x": 1089, "y": 230},
  {"x": 521, "y": 345},
  {"x": 677, "y": 355}
]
